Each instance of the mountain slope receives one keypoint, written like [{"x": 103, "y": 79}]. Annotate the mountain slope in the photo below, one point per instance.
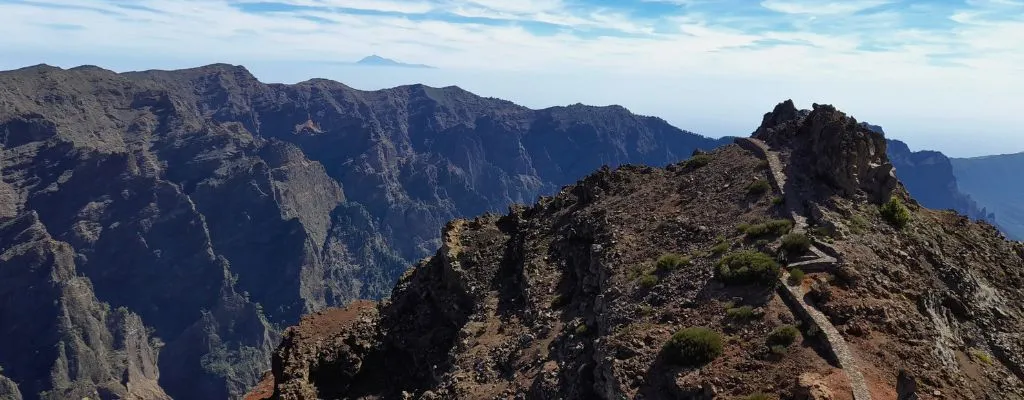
[
  {"x": 218, "y": 208},
  {"x": 572, "y": 297},
  {"x": 995, "y": 182}
]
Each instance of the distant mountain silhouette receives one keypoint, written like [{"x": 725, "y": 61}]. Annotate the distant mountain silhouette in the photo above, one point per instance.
[
  {"x": 378, "y": 61},
  {"x": 990, "y": 181}
]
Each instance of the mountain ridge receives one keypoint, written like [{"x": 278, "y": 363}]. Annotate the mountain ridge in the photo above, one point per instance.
[{"x": 662, "y": 283}]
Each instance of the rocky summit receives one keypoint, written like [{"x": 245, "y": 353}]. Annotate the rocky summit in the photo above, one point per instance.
[
  {"x": 789, "y": 265},
  {"x": 158, "y": 229}
]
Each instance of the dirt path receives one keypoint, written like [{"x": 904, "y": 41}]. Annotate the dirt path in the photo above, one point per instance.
[{"x": 795, "y": 295}]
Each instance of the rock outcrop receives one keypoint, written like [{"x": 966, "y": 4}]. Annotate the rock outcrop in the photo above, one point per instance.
[{"x": 826, "y": 146}]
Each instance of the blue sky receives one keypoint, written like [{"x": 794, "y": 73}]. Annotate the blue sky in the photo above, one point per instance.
[{"x": 941, "y": 74}]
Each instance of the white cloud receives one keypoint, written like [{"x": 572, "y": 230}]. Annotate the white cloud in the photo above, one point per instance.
[
  {"x": 819, "y": 7},
  {"x": 399, "y": 6}
]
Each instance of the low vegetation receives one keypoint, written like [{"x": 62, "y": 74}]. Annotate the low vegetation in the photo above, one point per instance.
[
  {"x": 581, "y": 329},
  {"x": 858, "y": 225},
  {"x": 778, "y": 200},
  {"x": 558, "y": 301},
  {"x": 759, "y": 396},
  {"x": 776, "y": 227},
  {"x": 721, "y": 247},
  {"x": 748, "y": 266},
  {"x": 698, "y": 161},
  {"x": 759, "y": 187},
  {"x": 694, "y": 346},
  {"x": 895, "y": 213},
  {"x": 671, "y": 262},
  {"x": 795, "y": 244},
  {"x": 745, "y": 313},
  {"x": 783, "y": 336},
  {"x": 796, "y": 276},
  {"x": 648, "y": 281},
  {"x": 981, "y": 356}
]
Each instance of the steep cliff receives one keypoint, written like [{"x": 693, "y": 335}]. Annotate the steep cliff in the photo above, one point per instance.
[
  {"x": 643, "y": 282},
  {"x": 216, "y": 208},
  {"x": 60, "y": 340},
  {"x": 994, "y": 181}
]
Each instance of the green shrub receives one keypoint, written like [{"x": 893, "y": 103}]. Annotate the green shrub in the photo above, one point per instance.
[
  {"x": 648, "y": 280},
  {"x": 698, "y": 161},
  {"x": 896, "y": 213},
  {"x": 773, "y": 227},
  {"x": 778, "y": 350},
  {"x": 721, "y": 248},
  {"x": 694, "y": 346},
  {"x": 744, "y": 313},
  {"x": 581, "y": 329},
  {"x": 778, "y": 200},
  {"x": 981, "y": 356},
  {"x": 796, "y": 276},
  {"x": 671, "y": 262},
  {"x": 759, "y": 396},
  {"x": 759, "y": 187},
  {"x": 783, "y": 336},
  {"x": 748, "y": 266},
  {"x": 796, "y": 244},
  {"x": 858, "y": 225}
]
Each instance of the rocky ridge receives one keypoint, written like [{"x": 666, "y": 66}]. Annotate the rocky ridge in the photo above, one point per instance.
[{"x": 564, "y": 299}]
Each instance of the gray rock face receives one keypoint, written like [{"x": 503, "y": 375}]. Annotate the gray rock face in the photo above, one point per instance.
[
  {"x": 828, "y": 146},
  {"x": 215, "y": 209},
  {"x": 67, "y": 343}
]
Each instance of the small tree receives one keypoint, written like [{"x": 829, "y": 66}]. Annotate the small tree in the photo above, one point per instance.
[{"x": 894, "y": 212}]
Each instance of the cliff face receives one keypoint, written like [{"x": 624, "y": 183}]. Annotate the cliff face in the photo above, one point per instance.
[
  {"x": 572, "y": 298},
  {"x": 994, "y": 182},
  {"x": 62, "y": 341},
  {"x": 215, "y": 209}
]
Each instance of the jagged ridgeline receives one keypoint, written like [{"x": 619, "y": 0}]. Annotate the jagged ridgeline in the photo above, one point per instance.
[
  {"x": 159, "y": 228},
  {"x": 792, "y": 264}
]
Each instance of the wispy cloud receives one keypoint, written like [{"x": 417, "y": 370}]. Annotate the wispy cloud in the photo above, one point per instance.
[
  {"x": 961, "y": 43},
  {"x": 530, "y": 34},
  {"x": 818, "y": 7}
]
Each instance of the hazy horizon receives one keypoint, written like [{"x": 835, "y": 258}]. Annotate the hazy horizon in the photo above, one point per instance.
[{"x": 939, "y": 75}]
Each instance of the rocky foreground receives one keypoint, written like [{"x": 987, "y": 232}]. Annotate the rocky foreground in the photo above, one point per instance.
[{"x": 790, "y": 265}]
